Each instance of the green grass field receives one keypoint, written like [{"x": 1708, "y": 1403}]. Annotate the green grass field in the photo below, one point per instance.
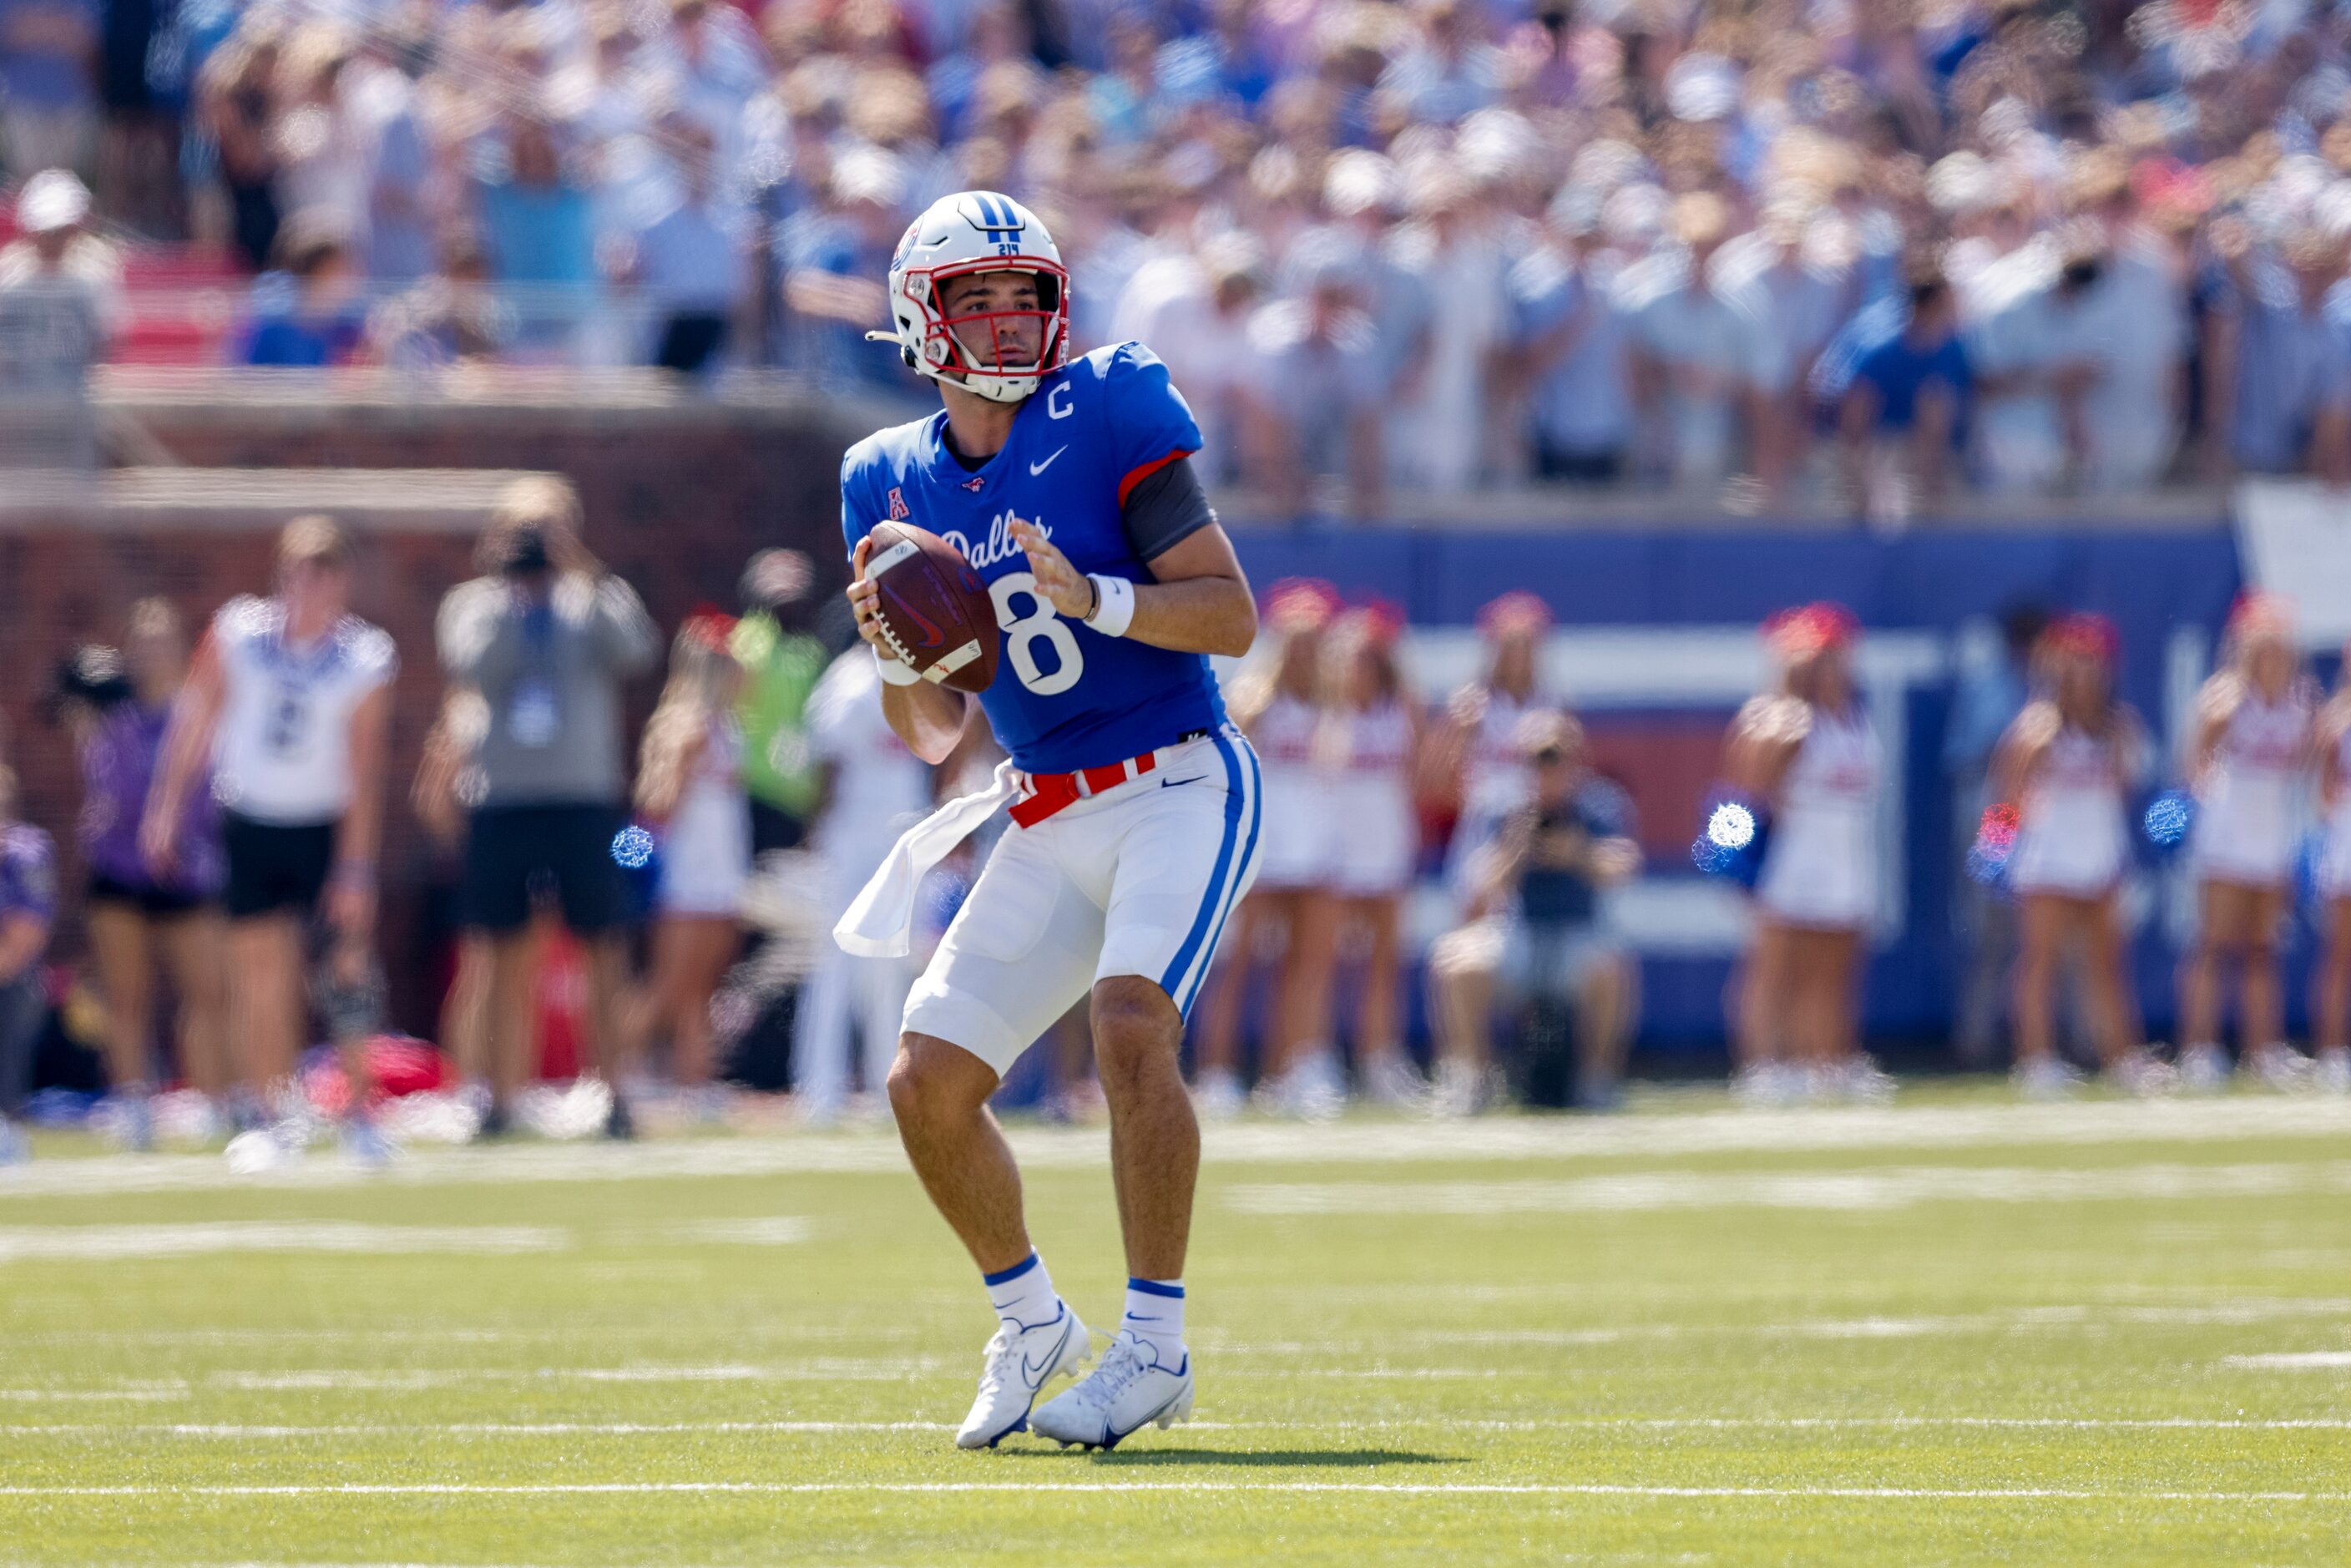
[{"x": 1957, "y": 1330}]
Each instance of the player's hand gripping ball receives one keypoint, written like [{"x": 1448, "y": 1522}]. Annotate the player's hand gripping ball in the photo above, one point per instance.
[{"x": 927, "y": 607}]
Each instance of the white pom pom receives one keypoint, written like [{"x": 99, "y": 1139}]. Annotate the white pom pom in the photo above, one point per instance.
[{"x": 1732, "y": 826}]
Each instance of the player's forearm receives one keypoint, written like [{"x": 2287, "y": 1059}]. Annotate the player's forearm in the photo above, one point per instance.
[
  {"x": 1197, "y": 615},
  {"x": 187, "y": 740},
  {"x": 928, "y": 718}
]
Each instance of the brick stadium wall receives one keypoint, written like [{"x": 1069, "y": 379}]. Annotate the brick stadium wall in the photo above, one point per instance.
[
  {"x": 678, "y": 491},
  {"x": 676, "y": 495}
]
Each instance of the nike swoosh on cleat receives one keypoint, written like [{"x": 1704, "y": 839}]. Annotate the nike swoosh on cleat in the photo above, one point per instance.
[
  {"x": 1111, "y": 1440},
  {"x": 1037, "y": 468},
  {"x": 1036, "y": 1372}
]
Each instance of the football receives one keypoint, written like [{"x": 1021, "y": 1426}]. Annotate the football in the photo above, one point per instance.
[{"x": 935, "y": 612}]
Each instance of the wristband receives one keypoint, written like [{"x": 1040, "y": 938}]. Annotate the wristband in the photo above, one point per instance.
[
  {"x": 895, "y": 674},
  {"x": 1114, "y": 605}
]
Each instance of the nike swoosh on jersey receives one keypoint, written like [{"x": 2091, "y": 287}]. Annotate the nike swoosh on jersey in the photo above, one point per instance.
[{"x": 1037, "y": 468}]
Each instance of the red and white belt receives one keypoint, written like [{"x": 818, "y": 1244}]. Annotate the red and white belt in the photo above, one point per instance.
[{"x": 1043, "y": 794}]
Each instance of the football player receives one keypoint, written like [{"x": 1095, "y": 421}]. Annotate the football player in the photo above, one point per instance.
[{"x": 1067, "y": 487}]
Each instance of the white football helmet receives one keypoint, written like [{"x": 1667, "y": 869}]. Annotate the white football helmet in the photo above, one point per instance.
[{"x": 976, "y": 231}]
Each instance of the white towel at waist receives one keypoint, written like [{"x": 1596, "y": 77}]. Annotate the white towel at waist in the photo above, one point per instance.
[{"x": 881, "y": 920}]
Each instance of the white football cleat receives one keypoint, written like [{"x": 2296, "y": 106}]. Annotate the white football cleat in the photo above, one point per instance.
[
  {"x": 1767, "y": 1085},
  {"x": 1314, "y": 1089},
  {"x": 1129, "y": 1390},
  {"x": 2203, "y": 1069},
  {"x": 2140, "y": 1075},
  {"x": 1013, "y": 1368},
  {"x": 2331, "y": 1073},
  {"x": 1391, "y": 1080},
  {"x": 1218, "y": 1096},
  {"x": 1859, "y": 1081},
  {"x": 2045, "y": 1077},
  {"x": 2280, "y": 1066}
]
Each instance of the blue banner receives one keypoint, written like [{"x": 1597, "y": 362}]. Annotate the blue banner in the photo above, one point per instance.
[{"x": 2166, "y": 591}]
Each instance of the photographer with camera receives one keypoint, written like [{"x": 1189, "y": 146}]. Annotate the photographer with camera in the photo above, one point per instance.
[
  {"x": 1537, "y": 932},
  {"x": 547, "y": 636}
]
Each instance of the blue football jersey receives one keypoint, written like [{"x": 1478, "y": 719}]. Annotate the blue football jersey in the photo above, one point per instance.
[{"x": 1065, "y": 696}]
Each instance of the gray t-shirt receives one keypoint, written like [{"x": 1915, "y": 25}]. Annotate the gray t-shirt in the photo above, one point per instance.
[{"x": 550, "y": 672}]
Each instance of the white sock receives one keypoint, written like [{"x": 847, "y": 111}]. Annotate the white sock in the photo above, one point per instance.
[
  {"x": 1023, "y": 1295},
  {"x": 1154, "y": 1314}
]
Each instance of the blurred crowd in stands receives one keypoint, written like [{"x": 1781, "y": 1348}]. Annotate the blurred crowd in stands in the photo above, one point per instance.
[{"x": 1767, "y": 253}]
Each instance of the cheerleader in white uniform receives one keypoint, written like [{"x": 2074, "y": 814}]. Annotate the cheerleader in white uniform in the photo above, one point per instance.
[
  {"x": 690, "y": 783},
  {"x": 1472, "y": 757},
  {"x": 2062, "y": 767},
  {"x": 289, "y": 700},
  {"x": 1282, "y": 711},
  {"x": 2255, "y": 723},
  {"x": 2330, "y": 1005},
  {"x": 1376, "y": 730},
  {"x": 1808, "y": 753}
]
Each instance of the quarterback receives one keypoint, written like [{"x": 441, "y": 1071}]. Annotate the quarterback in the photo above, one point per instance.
[{"x": 1066, "y": 486}]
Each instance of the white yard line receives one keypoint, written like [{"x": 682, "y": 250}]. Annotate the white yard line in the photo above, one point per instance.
[
  {"x": 238, "y": 1433},
  {"x": 1498, "y": 1140},
  {"x": 113, "y": 1243},
  {"x": 1438, "y": 1488},
  {"x": 2294, "y": 1361},
  {"x": 1849, "y": 1191},
  {"x": 342, "y": 1379}
]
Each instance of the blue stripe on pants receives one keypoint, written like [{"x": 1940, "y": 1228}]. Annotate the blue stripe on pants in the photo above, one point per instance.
[
  {"x": 1172, "y": 980},
  {"x": 1233, "y": 894}
]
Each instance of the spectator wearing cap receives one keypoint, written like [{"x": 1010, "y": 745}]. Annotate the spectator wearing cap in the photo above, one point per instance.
[
  {"x": 1904, "y": 401},
  {"x": 693, "y": 262},
  {"x": 28, "y": 910},
  {"x": 55, "y": 249},
  {"x": 1317, "y": 397},
  {"x": 1536, "y": 934},
  {"x": 306, "y": 312},
  {"x": 1700, "y": 360},
  {"x": 48, "y": 100},
  {"x": 1572, "y": 347}
]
